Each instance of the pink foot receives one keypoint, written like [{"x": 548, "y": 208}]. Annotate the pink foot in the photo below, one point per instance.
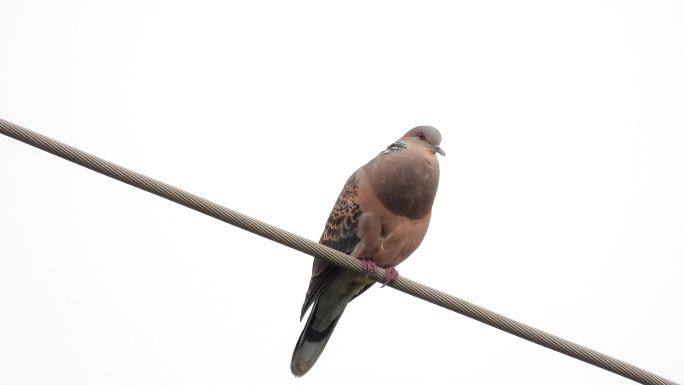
[
  {"x": 368, "y": 266},
  {"x": 391, "y": 274}
]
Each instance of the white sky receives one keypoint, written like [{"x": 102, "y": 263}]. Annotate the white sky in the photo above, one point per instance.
[{"x": 560, "y": 202}]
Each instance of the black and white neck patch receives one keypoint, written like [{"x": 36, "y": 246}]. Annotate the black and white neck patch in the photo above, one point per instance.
[{"x": 396, "y": 146}]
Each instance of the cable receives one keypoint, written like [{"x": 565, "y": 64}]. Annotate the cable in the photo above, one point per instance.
[{"x": 317, "y": 250}]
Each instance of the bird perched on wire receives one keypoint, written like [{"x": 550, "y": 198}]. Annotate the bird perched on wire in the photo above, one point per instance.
[{"x": 380, "y": 217}]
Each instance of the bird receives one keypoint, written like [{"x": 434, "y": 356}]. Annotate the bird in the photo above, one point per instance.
[{"x": 380, "y": 217}]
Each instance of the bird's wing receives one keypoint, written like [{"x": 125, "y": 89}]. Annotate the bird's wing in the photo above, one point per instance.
[{"x": 340, "y": 233}]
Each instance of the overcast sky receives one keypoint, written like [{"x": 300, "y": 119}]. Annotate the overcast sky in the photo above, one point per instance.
[{"x": 560, "y": 201}]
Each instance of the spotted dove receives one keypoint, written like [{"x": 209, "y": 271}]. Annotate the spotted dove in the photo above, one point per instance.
[{"x": 380, "y": 217}]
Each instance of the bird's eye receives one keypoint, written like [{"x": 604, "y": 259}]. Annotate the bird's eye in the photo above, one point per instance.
[{"x": 421, "y": 136}]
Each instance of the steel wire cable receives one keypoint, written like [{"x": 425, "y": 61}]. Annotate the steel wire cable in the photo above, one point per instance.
[{"x": 312, "y": 248}]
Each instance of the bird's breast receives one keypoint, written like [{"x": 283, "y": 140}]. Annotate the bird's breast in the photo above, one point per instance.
[{"x": 407, "y": 184}]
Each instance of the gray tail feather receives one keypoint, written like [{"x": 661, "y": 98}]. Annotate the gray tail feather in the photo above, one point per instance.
[{"x": 312, "y": 341}]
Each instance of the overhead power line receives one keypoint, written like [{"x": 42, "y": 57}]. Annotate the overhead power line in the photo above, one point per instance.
[{"x": 304, "y": 245}]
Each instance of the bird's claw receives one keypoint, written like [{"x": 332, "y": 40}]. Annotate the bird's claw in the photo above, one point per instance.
[
  {"x": 368, "y": 266},
  {"x": 391, "y": 275}
]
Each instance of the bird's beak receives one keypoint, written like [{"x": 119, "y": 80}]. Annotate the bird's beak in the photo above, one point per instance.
[{"x": 439, "y": 150}]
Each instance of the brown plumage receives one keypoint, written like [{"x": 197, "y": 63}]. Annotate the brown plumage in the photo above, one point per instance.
[{"x": 380, "y": 217}]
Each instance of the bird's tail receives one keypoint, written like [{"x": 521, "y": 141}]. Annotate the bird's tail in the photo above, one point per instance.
[{"x": 319, "y": 327}]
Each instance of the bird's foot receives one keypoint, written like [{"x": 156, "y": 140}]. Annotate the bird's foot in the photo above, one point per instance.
[
  {"x": 391, "y": 275},
  {"x": 368, "y": 266}
]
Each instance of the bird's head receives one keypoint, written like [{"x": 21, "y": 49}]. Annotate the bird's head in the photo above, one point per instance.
[{"x": 425, "y": 136}]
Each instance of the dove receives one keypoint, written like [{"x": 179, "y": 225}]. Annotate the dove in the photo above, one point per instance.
[{"x": 380, "y": 217}]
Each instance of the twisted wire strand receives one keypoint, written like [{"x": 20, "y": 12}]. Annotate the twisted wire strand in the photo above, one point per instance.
[{"x": 304, "y": 245}]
